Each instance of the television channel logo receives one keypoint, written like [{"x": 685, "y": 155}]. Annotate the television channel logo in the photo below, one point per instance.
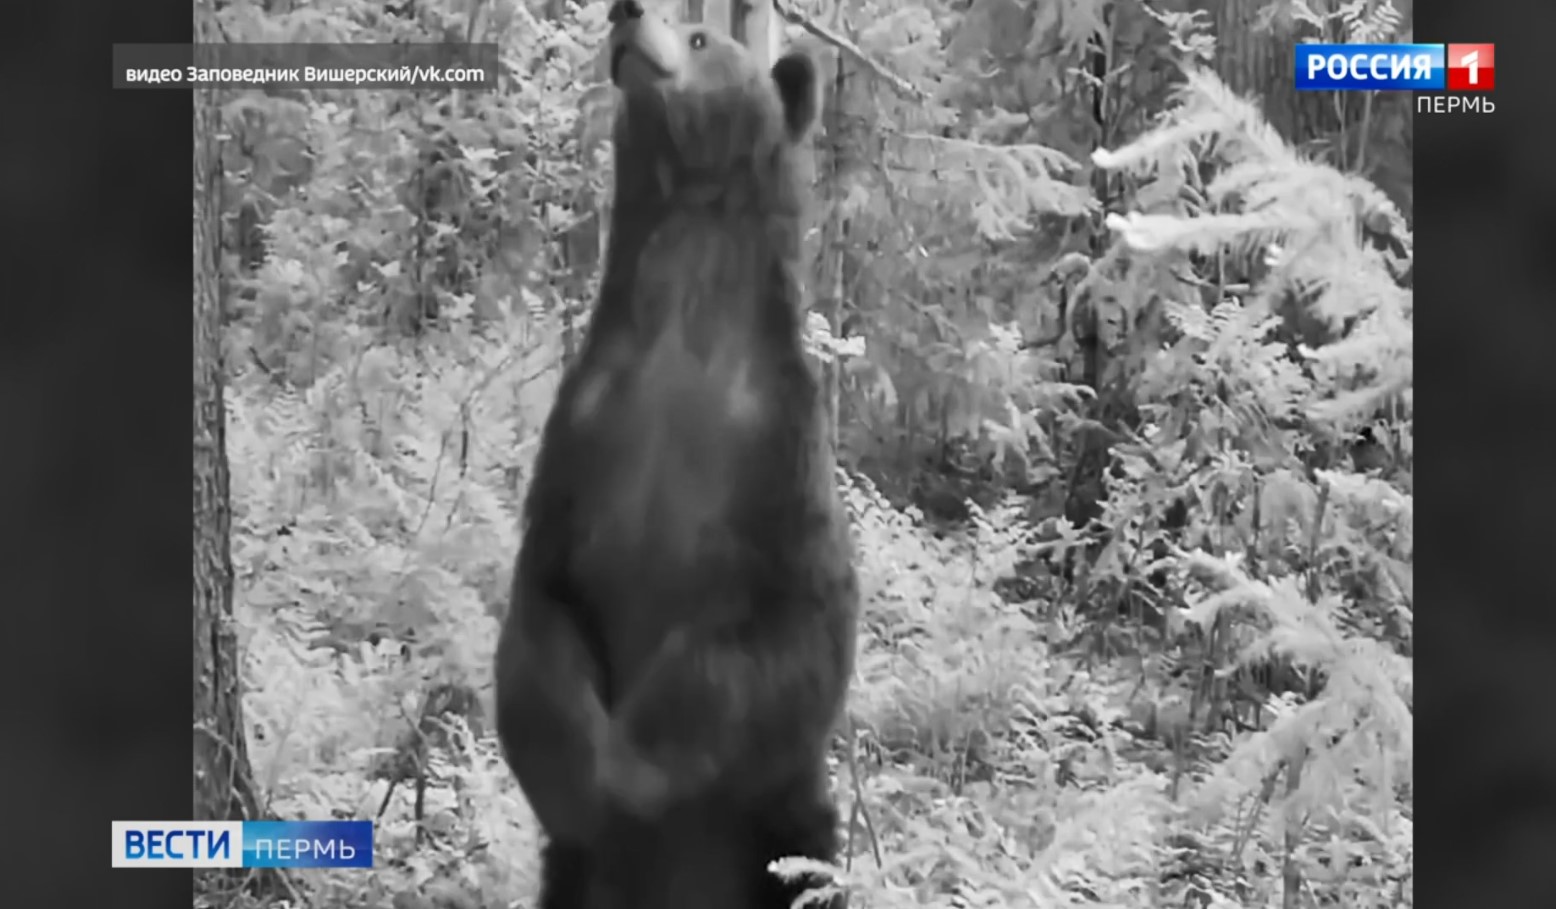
[
  {"x": 1472, "y": 67},
  {"x": 242, "y": 844},
  {"x": 1395, "y": 67}
]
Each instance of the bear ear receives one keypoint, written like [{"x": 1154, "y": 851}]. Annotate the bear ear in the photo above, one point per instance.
[{"x": 795, "y": 76}]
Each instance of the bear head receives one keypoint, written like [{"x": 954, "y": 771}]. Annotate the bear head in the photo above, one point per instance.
[{"x": 700, "y": 120}]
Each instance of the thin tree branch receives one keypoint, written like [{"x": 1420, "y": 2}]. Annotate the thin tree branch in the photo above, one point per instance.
[{"x": 795, "y": 17}]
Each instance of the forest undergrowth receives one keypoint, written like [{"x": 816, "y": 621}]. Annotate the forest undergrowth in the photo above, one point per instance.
[
  {"x": 1126, "y": 430},
  {"x": 991, "y": 758}
]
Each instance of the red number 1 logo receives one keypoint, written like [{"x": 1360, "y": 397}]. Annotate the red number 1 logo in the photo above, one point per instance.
[{"x": 1472, "y": 67}]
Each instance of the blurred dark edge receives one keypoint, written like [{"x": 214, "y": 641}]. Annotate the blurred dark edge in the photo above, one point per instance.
[
  {"x": 1486, "y": 639},
  {"x": 95, "y": 488}
]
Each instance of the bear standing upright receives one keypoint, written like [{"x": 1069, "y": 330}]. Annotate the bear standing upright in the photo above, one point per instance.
[{"x": 682, "y": 627}]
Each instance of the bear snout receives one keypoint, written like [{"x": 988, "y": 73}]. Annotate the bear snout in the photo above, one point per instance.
[{"x": 644, "y": 49}]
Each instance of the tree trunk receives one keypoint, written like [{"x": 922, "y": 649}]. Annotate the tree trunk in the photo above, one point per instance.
[
  {"x": 222, "y": 778},
  {"x": 1259, "y": 65},
  {"x": 838, "y": 145}
]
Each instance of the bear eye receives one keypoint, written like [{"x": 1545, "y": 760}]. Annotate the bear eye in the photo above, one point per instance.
[{"x": 698, "y": 41}]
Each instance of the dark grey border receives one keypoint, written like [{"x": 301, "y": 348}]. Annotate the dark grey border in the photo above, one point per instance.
[
  {"x": 95, "y": 411},
  {"x": 1485, "y": 285}
]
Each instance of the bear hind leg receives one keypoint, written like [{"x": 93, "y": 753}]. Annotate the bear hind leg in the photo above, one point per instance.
[
  {"x": 807, "y": 832},
  {"x": 565, "y": 873}
]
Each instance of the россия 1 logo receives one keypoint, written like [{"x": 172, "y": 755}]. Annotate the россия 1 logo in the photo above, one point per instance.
[{"x": 1396, "y": 67}]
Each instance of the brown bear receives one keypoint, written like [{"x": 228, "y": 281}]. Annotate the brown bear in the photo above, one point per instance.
[{"x": 682, "y": 626}]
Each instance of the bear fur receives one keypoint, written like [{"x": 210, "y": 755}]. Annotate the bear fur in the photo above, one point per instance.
[{"x": 683, "y": 619}]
